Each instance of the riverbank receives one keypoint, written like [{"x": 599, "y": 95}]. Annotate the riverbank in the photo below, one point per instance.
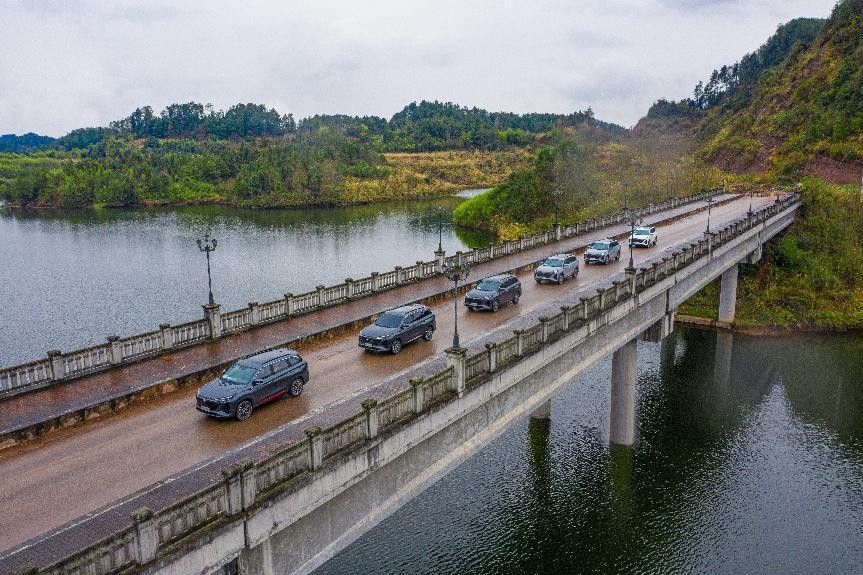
[
  {"x": 810, "y": 279},
  {"x": 261, "y": 174}
]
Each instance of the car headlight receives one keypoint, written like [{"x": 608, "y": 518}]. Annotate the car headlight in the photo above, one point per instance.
[{"x": 223, "y": 399}]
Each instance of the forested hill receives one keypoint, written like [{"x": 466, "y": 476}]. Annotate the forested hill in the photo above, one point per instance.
[
  {"x": 24, "y": 143},
  {"x": 792, "y": 108}
]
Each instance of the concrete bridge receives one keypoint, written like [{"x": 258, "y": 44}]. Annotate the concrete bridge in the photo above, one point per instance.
[{"x": 290, "y": 499}]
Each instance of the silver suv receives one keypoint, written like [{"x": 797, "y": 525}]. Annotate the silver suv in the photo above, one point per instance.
[
  {"x": 602, "y": 251},
  {"x": 557, "y": 268}
]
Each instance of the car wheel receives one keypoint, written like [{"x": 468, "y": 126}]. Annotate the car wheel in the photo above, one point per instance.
[
  {"x": 617, "y": 257},
  {"x": 244, "y": 410},
  {"x": 296, "y": 387},
  {"x": 605, "y": 259},
  {"x": 396, "y": 346},
  {"x": 515, "y": 298},
  {"x": 429, "y": 333},
  {"x": 495, "y": 305},
  {"x": 538, "y": 281},
  {"x": 560, "y": 280}
]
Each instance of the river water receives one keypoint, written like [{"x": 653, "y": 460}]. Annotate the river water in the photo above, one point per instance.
[
  {"x": 69, "y": 279},
  {"x": 753, "y": 465}
]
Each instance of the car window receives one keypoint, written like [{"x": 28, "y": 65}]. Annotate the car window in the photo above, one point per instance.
[
  {"x": 280, "y": 365},
  {"x": 389, "y": 320},
  {"x": 295, "y": 359},
  {"x": 570, "y": 259},
  {"x": 239, "y": 374},
  {"x": 614, "y": 244},
  {"x": 265, "y": 372},
  {"x": 488, "y": 285},
  {"x": 599, "y": 246},
  {"x": 425, "y": 313}
]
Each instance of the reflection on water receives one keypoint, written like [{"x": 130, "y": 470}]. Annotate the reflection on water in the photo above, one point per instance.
[
  {"x": 71, "y": 278},
  {"x": 753, "y": 469}
]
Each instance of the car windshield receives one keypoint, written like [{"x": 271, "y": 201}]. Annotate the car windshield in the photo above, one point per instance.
[
  {"x": 239, "y": 374},
  {"x": 389, "y": 320},
  {"x": 488, "y": 285},
  {"x": 599, "y": 246},
  {"x": 553, "y": 263},
  {"x": 642, "y": 231}
]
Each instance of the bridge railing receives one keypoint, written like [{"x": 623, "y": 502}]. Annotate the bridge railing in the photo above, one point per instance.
[
  {"x": 65, "y": 366},
  {"x": 249, "y": 483}
]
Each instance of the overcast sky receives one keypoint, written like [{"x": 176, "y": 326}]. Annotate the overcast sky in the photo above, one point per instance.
[{"x": 66, "y": 64}]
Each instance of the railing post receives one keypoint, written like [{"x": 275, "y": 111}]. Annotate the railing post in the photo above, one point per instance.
[
  {"x": 290, "y": 305},
  {"x": 167, "y": 340},
  {"x": 709, "y": 237},
  {"x": 400, "y": 275},
  {"x": 320, "y": 295},
  {"x": 254, "y": 313},
  {"x": 316, "y": 447},
  {"x": 520, "y": 243},
  {"x": 115, "y": 350},
  {"x": 519, "y": 341},
  {"x": 350, "y": 288},
  {"x": 492, "y": 356},
  {"x": 241, "y": 485},
  {"x": 565, "y": 309},
  {"x": 458, "y": 255},
  {"x": 417, "y": 387},
  {"x": 58, "y": 366},
  {"x": 440, "y": 260},
  {"x": 214, "y": 320},
  {"x": 544, "y": 321},
  {"x": 419, "y": 270},
  {"x": 370, "y": 406},
  {"x": 455, "y": 357},
  {"x": 146, "y": 536},
  {"x": 376, "y": 281}
]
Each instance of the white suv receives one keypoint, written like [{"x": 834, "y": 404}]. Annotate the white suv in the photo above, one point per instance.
[{"x": 643, "y": 236}]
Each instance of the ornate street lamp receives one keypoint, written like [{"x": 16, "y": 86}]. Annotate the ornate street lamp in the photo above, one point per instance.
[
  {"x": 456, "y": 273},
  {"x": 634, "y": 218},
  {"x": 440, "y": 230},
  {"x": 709, "y": 205},
  {"x": 207, "y": 245},
  {"x": 556, "y": 194}
]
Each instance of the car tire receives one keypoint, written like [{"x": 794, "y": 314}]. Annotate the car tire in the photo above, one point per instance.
[
  {"x": 296, "y": 387},
  {"x": 495, "y": 305},
  {"x": 560, "y": 279},
  {"x": 244, "y": 410},
  {"x": 396, "y": 346},
  {"x": 515, "y": 298},
  {"x": 605, "y": 260},
  {"x": 429, "y": 333},
  {"x": 617, "y": 257},
  {"x": 538, "y": 281}
]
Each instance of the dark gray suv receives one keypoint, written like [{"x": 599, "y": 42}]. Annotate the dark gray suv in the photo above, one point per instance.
[
  {"x": 493, "y": 292},
  {"x": 397, "y": 327},
  {"x": 253, "y": 381},
  {"x": 602, "y": 251}
]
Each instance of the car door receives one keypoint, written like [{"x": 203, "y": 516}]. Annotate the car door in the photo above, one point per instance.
[
  {"x": 570, "y": 265},
  {"x": 281, "y": 376},
  {"x": 411, "y": 327},
  {"x": 263, "y": 384},
  {"x": 615, "y": 249}
]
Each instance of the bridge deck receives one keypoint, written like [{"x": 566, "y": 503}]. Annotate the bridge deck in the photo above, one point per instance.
[{"x": 151, "y": 441}]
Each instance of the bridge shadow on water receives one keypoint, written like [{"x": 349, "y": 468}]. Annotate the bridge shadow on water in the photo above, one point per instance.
[{"x": 748, "y": 459}]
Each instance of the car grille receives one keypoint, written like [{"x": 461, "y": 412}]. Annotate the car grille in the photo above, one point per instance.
[
  {"x": 475, "y": 301},
  {"x": 215, "y": 405}
]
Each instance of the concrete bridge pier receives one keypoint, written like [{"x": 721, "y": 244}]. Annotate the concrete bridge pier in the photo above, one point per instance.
[
  {"x": 623, "y": 368},
  {"x": 543, "y": 411},
  {"x": 728, "y": 294}
]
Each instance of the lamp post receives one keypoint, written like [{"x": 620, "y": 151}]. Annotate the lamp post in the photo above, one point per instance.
[
  {"x": 207, "y": 245},
  {"x": 709, "y": 205},
  {"x": 634, "y": 218},
  {"x": 456, "y": 273},
  {"x": 556, "y": 194},
  {"x": 751, "y": 193},
  {"x": 440, "y": 230}
]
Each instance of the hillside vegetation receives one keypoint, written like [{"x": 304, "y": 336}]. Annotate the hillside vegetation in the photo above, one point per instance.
[
  {"x": 801, "y": 113},
  {"x": 810, "y": 277}
]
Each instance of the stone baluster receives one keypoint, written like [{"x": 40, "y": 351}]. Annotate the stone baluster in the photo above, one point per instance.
[
  {"x": 115, "y": 350},
  {"x": 349, "y": 283},
  {"x": 290, "y": 304},
  {"x": 370, "y": 406},
  {"x": 417, "y": 388},
  {"x": 254, "y": 313},
  {"x": 320, "y": 296},
  {"x": 167, "y": 339},
  {"x": 58, "y": 366}
]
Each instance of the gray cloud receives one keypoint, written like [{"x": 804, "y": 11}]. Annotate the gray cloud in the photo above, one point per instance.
[{"x": 67, "y": 65}]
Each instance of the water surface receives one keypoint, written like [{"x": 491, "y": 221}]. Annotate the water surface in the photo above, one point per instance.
[
  {"x": 71, "y": 278},
  {"x": 748, "y": 466}
]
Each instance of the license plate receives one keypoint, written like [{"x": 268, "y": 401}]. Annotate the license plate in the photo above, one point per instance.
[{"x": 204, "y": 407}]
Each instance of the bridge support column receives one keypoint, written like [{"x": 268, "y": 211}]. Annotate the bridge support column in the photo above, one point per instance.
[
  {"x": 623, "y": 394},
  {"x": 728, "y": 294},
  {"x": 543, "y": 411}
]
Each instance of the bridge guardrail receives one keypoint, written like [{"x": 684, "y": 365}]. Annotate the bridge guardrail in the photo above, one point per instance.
[
  {"x": 248, "y": 483},
  {"x": 59, "y": 367}
]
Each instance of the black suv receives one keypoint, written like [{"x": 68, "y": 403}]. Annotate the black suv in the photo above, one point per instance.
[
  {"x": 397, "y": 327},
  {"x": 253, "y": 381},
  {"x": 493, "y": 292}
]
